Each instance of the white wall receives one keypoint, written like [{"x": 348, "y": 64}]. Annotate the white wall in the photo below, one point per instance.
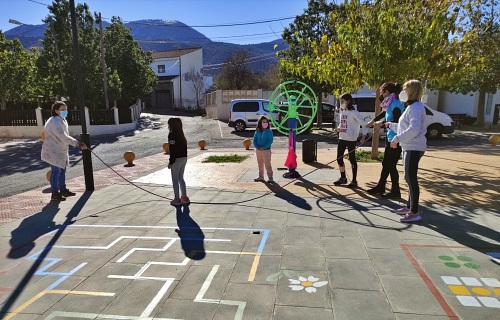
[
  {"x": 188, "y": 61},
  {"x": 171, "y": 66},
  {"x": 458, "y": 103}
]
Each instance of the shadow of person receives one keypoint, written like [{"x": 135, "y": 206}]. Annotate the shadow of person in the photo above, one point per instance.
[
  {"x": 190, "y": 233},
  {"x": 457, "y": 224},
  {"x": 289, "y": 197},
  {"x": 23, "y": 238}
]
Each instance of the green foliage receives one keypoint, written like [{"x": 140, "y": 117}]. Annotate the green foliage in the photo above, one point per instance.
[
  {"x": 225, "y": 158},
  {"x": 476, "y": 63},
  {"x": 301, "y": 60},
  {"x": 57, "y": 54},
  {"x": 130, "y": 76},
  {"x": 16, "y": 71},
  {"x": 365, "y": 156},
  {"x": 125, "y": 58}
]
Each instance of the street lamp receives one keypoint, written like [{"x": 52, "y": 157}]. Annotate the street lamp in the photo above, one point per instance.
[{"x": 56, "y": 47}]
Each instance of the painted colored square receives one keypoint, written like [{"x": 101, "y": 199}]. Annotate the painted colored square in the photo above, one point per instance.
[
  {"x": 490, "y": 302},
  {"x": 461, "y": 290},
  {"x": 451, "y": 280},
  {"x": 469, "y": 281},
  {"x": 491, "y": 282},
  {"x": 468, "y": 301}
]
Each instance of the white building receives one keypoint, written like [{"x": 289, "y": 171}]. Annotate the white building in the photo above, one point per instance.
[{"x": 172, "y": 90}]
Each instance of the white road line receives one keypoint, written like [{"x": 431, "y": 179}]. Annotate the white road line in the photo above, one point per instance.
[
  {"x": 220, "y": 129},
  {"x": 152, "y": 305},
  {"x": 199, "y": 297}
]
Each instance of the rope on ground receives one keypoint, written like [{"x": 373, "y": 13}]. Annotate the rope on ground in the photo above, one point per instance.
[{"x": 238, "y": 202}]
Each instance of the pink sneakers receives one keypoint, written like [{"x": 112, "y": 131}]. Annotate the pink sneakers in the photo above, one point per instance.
[
  {"x": 185, "y": 200},
  {"x": 411, "y": 217}
]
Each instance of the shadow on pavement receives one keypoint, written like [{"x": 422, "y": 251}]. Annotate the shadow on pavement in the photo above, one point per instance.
[
  {"x": 461, "y": 229},
  {"x": 289, "y": 197},
  {"x": 30, "y": 242},
  {"x": 190, "y": 233},
  {"x": 23, "y": 238}
]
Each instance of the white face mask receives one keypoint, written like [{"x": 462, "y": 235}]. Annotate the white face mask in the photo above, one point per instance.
[
  {"x": 343, "y": 106},
  {"x": 403, "y": 96}
]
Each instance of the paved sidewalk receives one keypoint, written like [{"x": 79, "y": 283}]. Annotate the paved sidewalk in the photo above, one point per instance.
[{"x": 300, "y": 249}]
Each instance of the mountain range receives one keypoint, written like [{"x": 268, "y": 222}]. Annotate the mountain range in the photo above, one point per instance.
[{"x": 163, "y": 35}]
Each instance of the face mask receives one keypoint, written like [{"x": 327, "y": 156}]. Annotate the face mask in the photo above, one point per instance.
[
  {"x": 63, "y": 114},
  {"x": 265, "y": 125},
  {"x": 403, "y": 96},
  {"x": 343, "y": 106}
]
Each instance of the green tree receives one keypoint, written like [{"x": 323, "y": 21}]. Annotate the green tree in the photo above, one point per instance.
[
  {"x": 235, "y": 73},
  {"x": 17, "y": 67},
  {"x": 125, "y": 57},
  {"x": 114, "y": 87},
  {"x": 300, "y": 60},
  {"x": 477, "y": 62},
  {"x": 388, "y": 40},
  {"x": 57, "y": 54}
]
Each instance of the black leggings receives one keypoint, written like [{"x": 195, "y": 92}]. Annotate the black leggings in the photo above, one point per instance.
[
  {"x": 350, "y": 145},
  {"x": 389, "y": 166},
  {"x": 410, "y": 166}
]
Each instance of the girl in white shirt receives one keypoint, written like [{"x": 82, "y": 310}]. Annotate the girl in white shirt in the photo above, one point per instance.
[{"x": 350, "y": 121}]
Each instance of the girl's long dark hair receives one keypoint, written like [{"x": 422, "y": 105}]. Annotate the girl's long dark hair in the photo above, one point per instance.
[
  {"x": 259, "y": 123},
  {"x": 175, "y": 125},
  {"x": 350, "y": 101}
]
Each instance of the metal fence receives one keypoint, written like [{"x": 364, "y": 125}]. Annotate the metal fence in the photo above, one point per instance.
[
  {"x": 18, "y": 118},
  {"x": 73, "y": 117},
  {"x": 102, "y": 117}
]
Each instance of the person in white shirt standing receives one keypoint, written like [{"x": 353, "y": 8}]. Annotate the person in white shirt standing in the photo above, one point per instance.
[
  {"x": 410, "y": 134},
  {"x": 350, "y": 121}
]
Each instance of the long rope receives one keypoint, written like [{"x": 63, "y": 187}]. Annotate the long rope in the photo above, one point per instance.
[{"x": 242, "y": 201}]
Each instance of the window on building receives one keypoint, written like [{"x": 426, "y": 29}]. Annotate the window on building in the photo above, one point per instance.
[{"x": 161, "y": 68}]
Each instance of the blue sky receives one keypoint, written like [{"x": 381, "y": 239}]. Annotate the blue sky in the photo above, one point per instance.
[{"x": 190, "y": 12}]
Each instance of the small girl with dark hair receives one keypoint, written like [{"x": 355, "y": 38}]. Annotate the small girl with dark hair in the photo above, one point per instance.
[
  {"x": 178, "y": 159},
  {"x": 350, "y": 121},
  {"x": 262, "y": 141}
]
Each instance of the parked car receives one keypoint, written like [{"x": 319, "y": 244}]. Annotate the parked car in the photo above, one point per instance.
[
  {"x": 438, "y": 123},
  {"x": 244, "y": 113}
]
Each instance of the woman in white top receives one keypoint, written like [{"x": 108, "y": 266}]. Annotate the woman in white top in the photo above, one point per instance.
[
  {"x": 55, "y": 150},
  {"x": 350, "y": 121}
]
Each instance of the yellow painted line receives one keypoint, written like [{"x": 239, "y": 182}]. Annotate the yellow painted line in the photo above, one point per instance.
[
  {"x": 44, "y": 292},
  {"x": 255, "y": 265}
]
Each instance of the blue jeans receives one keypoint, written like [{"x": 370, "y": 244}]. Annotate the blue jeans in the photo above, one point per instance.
[{"x": 57, "y": 179}]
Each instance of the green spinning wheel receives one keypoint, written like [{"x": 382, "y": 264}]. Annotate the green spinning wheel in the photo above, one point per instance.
[{"x": 293, "y": 100}]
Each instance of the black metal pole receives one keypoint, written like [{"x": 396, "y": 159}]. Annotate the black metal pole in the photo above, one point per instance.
[{"x": 87, "y": 157}]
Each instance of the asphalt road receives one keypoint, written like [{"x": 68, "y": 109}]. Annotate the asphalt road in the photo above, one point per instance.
[{"x": 22, "y": 169}]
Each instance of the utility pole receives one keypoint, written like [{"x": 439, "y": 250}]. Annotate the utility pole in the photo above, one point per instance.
[
  {"x": 87, "y": 158},
  {"x": 103, "y": 62}
]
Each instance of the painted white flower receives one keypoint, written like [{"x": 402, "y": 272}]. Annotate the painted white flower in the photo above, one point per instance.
[{"x": 310, "y": 284}]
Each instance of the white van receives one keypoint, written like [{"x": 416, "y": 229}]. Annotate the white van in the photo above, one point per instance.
[
  {"x": 244, "y": 113},
  {"x": 438, "y": 123}
]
